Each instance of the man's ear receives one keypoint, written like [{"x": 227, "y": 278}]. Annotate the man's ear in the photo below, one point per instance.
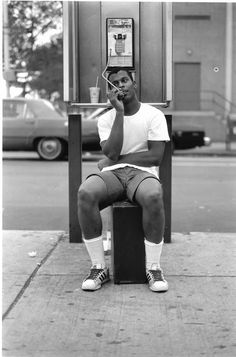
[{"x": 134, "y": 84}]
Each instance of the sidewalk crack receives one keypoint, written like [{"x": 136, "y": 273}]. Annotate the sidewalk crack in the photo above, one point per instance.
[{"x": 31, "y": 277}]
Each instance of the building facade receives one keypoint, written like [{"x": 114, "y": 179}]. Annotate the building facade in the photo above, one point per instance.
[{"x": 204, "y": 65}]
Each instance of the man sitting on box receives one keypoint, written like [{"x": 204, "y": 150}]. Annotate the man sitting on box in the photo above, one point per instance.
[{"x": 132, "y": 136}]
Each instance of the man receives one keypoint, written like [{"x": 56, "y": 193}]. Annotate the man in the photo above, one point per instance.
[{"x": 133, "y": 137}]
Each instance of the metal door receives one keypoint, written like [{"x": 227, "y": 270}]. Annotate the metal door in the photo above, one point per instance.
[{"x": 187, "y": 86}]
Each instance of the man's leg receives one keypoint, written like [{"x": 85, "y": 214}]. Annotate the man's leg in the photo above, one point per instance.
[
  {"x": 149, "y": 196},
  {"x": 91, "y": 193},
  {"x": 96, "y": 193}
]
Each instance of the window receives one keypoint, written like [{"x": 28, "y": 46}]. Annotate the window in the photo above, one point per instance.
[
  {"x": 13, "y": 109},
  {"x": 29, "y": 114}
]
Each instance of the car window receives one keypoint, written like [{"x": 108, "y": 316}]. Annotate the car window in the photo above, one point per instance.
[
  {"x": 97, "y": 113},
  {"x": 13, "y": 109},
  {"x": 29, "y": 114},
  {"x": 44, "y": 109}
]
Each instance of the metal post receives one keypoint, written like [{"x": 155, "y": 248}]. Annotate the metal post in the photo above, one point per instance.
[
  {"x": 165, "y": 176},
  {"x": 228, "y": 68},
  {"x": 75, "y": 174},
  {"x": 6, "y": 44}
]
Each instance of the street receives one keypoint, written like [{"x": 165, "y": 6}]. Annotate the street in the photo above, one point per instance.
[{"x": 35, "y": 193}]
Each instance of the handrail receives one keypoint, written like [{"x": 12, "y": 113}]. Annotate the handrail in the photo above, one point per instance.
[
  {"x": 213, "y": 101},
  {"x": 219, "y": 95}
]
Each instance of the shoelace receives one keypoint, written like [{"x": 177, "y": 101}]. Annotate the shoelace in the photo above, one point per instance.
[
  {"x": 157, "y": 275},
  {"x": 94, "y": 273}
]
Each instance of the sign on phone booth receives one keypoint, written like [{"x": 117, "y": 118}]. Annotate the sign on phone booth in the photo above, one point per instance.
[{"x": 98, "y": 36}]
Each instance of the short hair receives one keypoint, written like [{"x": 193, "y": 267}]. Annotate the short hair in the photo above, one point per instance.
[{"x": 118, "y": 69}]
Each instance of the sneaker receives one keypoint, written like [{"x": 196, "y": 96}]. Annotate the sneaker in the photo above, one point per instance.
[
  {"x": 96, "y": 278},
  {"x": 156, "y": 280}
]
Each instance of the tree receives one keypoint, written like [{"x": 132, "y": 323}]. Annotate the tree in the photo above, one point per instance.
[
  {"x": 27, "y": 21},
  {"x": 46, "y": 63}
]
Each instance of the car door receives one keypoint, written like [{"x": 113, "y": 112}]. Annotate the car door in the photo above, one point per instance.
[{"x": 18, "y": 125}]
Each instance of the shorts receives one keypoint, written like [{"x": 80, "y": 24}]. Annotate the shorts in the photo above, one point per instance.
[{"x": 122, "y": 183}]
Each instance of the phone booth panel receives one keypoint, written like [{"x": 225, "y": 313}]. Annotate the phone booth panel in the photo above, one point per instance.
[
  {"x": 89, "y": 41},
  {"x": 151, "y": 52}
]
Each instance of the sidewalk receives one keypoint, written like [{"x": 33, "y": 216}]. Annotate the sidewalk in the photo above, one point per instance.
[{"x": 47, "y": 314}]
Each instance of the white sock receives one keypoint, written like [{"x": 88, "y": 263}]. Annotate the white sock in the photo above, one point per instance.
[
  {"x": 153, "y": 254},
  {"x": 96, "y": 252}
]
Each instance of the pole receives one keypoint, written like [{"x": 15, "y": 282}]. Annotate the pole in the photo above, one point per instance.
[
  {"x": 6, "y": 43},
  {"x": 166, "y": 178},
  {"x": 228, "y": 67},
  {"x": 75, "y": 174}
]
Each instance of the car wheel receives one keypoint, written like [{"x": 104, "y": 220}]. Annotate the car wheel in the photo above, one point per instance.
[{"x": 50, "y": 148}]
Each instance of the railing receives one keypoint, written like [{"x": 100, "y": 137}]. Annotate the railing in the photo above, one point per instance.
[
  {"x": 216, "y": 102},
  {"x": 224, "y": 107}
]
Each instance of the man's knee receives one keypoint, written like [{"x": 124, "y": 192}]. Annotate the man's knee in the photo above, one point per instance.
[
  {"x": 85, "y": 198},
  {"x": 153, "y": 200}
]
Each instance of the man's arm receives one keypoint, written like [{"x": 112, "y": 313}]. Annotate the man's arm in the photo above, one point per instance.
[
  {"x": 113, "y": 145},
  {"x": 149, "y": 158}
]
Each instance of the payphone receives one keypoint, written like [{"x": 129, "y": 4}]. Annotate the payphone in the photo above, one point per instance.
[
  {"x": 119, "y": 46},
  {"x": 119, "y": 42}
]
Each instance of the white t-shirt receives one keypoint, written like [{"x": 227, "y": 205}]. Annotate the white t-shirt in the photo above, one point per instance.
[{"x": 148, "y": 123}]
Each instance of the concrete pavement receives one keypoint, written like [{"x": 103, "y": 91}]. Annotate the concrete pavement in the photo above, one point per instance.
[{"x": 45, "y": 312}]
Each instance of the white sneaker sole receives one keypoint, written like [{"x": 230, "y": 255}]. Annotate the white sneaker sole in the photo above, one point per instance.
[
  {"x": 87, "y": 288},
  {"x": 162, "y": 289}
]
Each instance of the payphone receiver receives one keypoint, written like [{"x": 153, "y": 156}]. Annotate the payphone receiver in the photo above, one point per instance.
[{"x": 120, "y": 95}]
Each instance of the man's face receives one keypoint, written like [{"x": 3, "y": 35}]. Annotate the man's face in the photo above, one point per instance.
[{"x": 122, "y": 81}]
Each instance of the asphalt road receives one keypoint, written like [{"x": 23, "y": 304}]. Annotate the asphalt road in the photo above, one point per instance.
[{"x": 35, "y": 193}]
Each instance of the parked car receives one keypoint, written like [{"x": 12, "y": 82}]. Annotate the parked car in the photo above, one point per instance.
[
  {"x": 188, "y": 136},
  {"x": 35, "y": 125}
]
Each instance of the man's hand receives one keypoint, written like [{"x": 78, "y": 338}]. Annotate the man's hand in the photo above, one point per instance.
[
  {"x": 114, "y": 96},
  {"x": 104, "y": 163}
]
